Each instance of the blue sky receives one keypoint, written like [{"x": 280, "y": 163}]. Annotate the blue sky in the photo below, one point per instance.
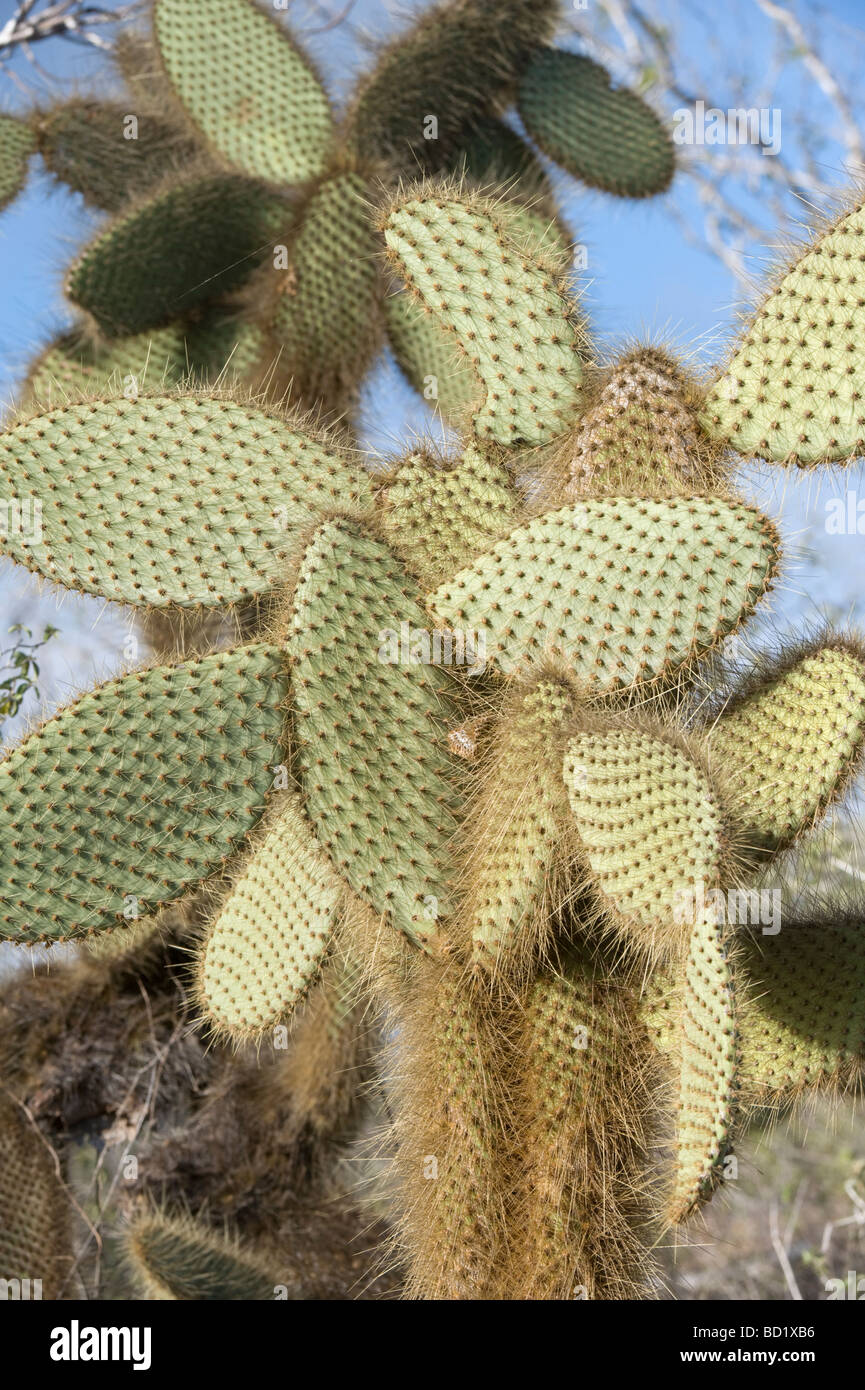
[{"x": 644, "y": 279}]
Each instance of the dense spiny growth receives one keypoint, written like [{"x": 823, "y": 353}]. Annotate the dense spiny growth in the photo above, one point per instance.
[{"x": 429, "y": 773}]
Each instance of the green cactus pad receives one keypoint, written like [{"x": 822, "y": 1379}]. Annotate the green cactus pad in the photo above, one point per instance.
[
  {"x": 93, "y": 148},
  {"x": 652, "y": 830},
  {"x": 802, "y": 1011},
  {"x": 246, "y": 85},
  {"x": 606, "y": 136},
  {"x": 623, "y": 589},
  {"x": 431, "y": 358},
  {"x": 800, "y": 1023},
  {"x": 325, "y": 320},
  {"x": 457, "y": 60},
  {"x": 493, "y": 156},
  {"x": 640, "y": 434},
  {"x": 492, "y": 152},
  {"x": 505, "y": 308},
  {"x": 373, "y": 755},
  {"x": 175, "y": 1258},
  {"x": 268, "y": 942},
  {"x": 137, "y": 792},
  {"x": 438, "y": 518},
  {"x": 76, "y": 364},
  {"x": 512, "y": 834},
  {"x": 17, "y": 143},
  {"x": 35, "y": 1212},
  {"x": 539, "y": 233},
  {"x": 707, "y": 1069},
  {"x": 793, "y": 391},
  {"x": 154, "y": 263},
  {"x": 182, "y": 499},
  {"x": 224, "y": 347},
  {"x": 789, "y": 743}
]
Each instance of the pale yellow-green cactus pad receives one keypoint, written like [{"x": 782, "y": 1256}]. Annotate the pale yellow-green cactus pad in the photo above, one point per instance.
[
  {"x": 789, "y": 744},
  {"x": 652, "y": 830},
  {"x": 623, "y": 589},
  {"x": 437, "y": 517},
  {"x": 170, "y": 499},
  {"x": 505, "y": 307},
  {"x": 706, "y": 1068},
  {"x": 794, "y": 391},
  {"x": 267, "y": 943},
  {"x": 246, "y": 85}
]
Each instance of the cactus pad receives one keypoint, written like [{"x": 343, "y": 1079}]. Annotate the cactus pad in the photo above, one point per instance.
[
  {"x": 623, "y": 589},
  {"x": 373, "y": 752},
  {"x": 153, "y": 262},
  {"x": 267, "y": 944},
  {"x": 431, "y": 358},
  {"x": 512, "y": 834},
  {"x": 458, "y": 59},
  {"x": 324, "y": 319},
  {"x": 437, "y": 519},
  {"x": 802, "y": 1010},
  {"x": 181, "y": 500},
  {"x": 606, "y": 136},
  {"x": 505, "y": 308},
  {"x": 177, "y": 1259},
  {"x": 250, "y": 91},
  {"x": 652, "y": 831},
  {"x": 76, "y": 364},
  {"x": 17, "y": 143},
  {"x": 35, "y": 1212},
  {"x": 793, "y": 391},
  {"x": 640, "y": 434},
  {"x": 89, "y": 146},
  {"x": 789, "y": 743},
  {"x": 148, "y": 783},
  {"x": 707, "y": 1069}
]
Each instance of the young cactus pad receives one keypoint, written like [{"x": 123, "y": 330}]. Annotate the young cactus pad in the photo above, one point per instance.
[{"x": 267, "y": 944}]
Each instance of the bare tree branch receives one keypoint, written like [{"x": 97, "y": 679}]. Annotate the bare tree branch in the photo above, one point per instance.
[
  {"x": 743, "y": 180},
  {"x": 73, "y": 20}
]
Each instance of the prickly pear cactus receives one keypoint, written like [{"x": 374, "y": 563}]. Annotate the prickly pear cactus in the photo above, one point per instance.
[
  {"x": 463, "y": 775},
  {"x": 226, "y": 125}
]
